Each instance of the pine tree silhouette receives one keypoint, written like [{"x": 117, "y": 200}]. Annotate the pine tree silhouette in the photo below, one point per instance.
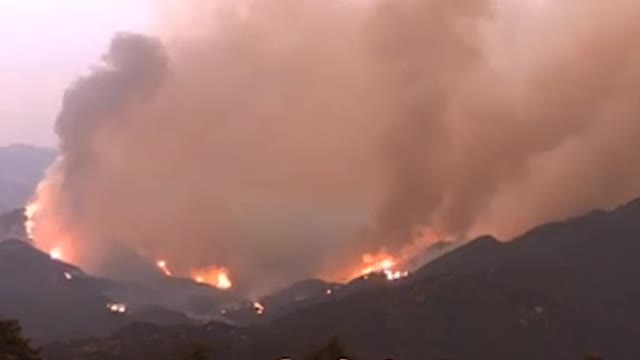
[
  {"x": 333, "y": 350},
  {"x": 13, "y": 346},
  {"x": 593, "y": 357},
  {"x": 198, "y": 352}
]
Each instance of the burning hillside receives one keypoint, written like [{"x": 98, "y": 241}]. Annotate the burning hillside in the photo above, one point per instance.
[
  {"x": 385, "y": 265},
  {"x": 214, "y": 276}
]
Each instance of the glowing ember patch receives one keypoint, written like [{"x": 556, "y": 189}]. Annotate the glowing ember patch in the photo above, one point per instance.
[
  {"x": 395, "y": 275},
  {"x": 56, "y": 254},
  {"x": 162, "y": 265},
  {"x": 214, "y": 276},
  {"x": 260, "y": 309},
  {"x": 117, "y": 308}
]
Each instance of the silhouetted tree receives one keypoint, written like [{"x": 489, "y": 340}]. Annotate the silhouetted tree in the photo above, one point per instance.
[
  {"x": 593, "y": 357},
  {"x": 333, "y": 350},
  {"x": 13, "y": 346},
  {"x": 196, "y": 352}
]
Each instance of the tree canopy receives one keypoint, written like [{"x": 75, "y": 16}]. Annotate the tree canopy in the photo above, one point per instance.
[
  {"x": 334, "y": 349},
  {"x": 13, "y": 345}
]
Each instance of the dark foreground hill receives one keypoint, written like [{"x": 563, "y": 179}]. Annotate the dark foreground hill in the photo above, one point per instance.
[
  {"x": 57, "y": 301},
  {"x": 54, "y": 300},
  {"x": 558, "y": 292}
]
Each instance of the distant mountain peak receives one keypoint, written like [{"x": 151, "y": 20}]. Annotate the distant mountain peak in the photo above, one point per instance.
[
  {"x": 486, "y": 240},
  {"x": 632, "y": 206}
]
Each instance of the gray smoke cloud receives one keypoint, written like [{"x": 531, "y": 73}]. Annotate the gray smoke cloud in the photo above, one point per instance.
[{"x": 284, "y": 138}]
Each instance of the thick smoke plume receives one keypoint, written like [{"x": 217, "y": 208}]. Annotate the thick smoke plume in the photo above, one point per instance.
[{"x": 283, "y": 138}]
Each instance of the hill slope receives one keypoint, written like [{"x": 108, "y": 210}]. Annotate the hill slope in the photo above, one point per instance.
[{"x": 55, "y": 300}]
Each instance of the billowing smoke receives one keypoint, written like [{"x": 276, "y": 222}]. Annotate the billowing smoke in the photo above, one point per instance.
[{"x": 281, "y": 138}]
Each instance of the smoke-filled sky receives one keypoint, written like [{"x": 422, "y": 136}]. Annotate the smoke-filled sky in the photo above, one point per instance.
[
  {"x": 281, "y": 138},
  {"x": 46, "y": 44}
]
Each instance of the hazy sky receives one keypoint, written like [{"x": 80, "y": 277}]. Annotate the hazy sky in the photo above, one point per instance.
[{"x": 46, "y": 44}]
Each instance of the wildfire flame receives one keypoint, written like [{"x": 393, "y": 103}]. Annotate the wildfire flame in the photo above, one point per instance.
[
  {"x": 393, "y": 265},
  {"x": 260, "y": 309},
  {"x": 214, "y": 276},
  {"x": 381, "y": 263},
  {"x": 51, "y": 235},
  {"x": 30, "y": 212},
  {"x": 45, "y": 229},
  {"x": 162, "y": 265},
  {"x": 56, "y": 254}
]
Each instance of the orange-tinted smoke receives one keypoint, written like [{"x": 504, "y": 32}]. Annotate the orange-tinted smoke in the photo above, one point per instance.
[{"x": 283, "y": 138}]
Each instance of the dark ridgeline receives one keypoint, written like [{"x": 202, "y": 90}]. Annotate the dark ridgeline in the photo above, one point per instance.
[{"x": 57, "y": 301}]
